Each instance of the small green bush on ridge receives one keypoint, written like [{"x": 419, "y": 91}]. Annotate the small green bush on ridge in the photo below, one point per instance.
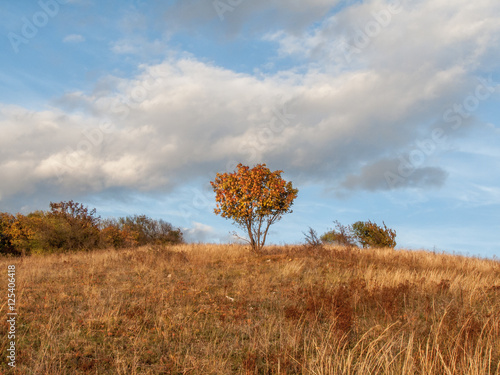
[{"x": 361, "y": 233}]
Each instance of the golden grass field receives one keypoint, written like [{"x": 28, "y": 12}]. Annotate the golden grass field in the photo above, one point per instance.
[{"x": 219, "y": 309}]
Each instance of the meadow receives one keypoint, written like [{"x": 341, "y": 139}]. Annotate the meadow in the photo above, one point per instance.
[{"x": 219, "y": 309}]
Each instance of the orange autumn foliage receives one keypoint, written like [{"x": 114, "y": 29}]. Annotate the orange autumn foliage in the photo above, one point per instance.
[{"x": 254, "y": 198}]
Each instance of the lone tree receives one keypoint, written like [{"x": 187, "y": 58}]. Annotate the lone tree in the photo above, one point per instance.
[{"x": 254, "y": 198}]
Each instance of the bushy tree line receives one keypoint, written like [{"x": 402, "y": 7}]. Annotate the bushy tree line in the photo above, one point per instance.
[
  {"x": 70, "y": 226},
  {"x": 361, "y": 233}
]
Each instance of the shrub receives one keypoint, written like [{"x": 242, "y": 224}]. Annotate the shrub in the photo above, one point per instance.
[
  {"x": 6, "y": 245},
  {"x": 68, "y": 226},
  {"x": 364, "y": 234},
  {"x": 340, "y": 235},
  {"x": 312, "y": 238},
  {"x": 139, "y": 230},
  {"x": 112, "y": 236},
  {"x": 369, "y": 234},
  {"x": 72, "y": 226},
  {"x": 21, "y": 234}
]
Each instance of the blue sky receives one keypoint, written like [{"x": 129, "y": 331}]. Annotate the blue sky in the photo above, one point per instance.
[{"x": 375, "y": 110}]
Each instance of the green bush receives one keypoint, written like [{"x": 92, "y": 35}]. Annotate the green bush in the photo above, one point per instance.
[
  {"x": 362, "y": 233},
  {"x": 72, "y": 226},
  {"x": 150, "y": 231},
  {"x": 369, "y": 234},
  {"x": 340, "y": 235}
]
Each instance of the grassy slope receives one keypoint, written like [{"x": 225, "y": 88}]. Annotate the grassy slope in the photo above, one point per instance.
[{"x": 214, "y": 309}]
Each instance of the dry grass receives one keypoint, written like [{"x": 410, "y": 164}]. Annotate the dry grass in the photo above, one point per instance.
[{"x": 209, "y": 309}]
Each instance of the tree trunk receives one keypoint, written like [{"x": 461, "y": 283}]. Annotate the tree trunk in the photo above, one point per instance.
[{"x": 253, "y": 244}]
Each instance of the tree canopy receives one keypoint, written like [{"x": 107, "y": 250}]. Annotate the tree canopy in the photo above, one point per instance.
[{"x": 254, "y": 198}]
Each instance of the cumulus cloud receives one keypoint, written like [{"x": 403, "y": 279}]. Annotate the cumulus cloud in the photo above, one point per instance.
[
  {"x": 181, "y": 118},
  {"x": 199, "y": 232},
  {"x": 399, "y": 35}
]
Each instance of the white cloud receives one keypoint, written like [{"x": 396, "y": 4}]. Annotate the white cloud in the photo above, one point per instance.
[
  {"x": 74, "y": 38},
  {"x": 199, "y": 232},
  {"x": 405, "y": 37},
  {"x": 138, "y": 46},
  {"x": 182, "y": 117}
]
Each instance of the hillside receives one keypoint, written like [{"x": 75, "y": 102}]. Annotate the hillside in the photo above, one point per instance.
[{"x": 217, "y": 309}]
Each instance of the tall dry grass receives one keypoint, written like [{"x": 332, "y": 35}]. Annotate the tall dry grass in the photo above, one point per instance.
[{"x": 217, "y": 309}]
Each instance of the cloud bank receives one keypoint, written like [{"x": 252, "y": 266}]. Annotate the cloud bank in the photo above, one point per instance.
[{"x": 371, "y": 81}]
